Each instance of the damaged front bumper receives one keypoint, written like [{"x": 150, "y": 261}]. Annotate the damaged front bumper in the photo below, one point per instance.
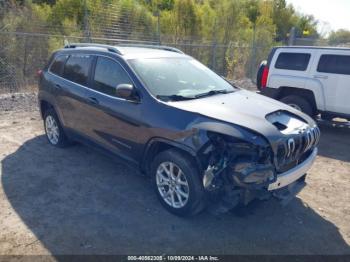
[
  {"x": 285, "y": 186},
  {"x": 291, "y": 182},
  {"x": 293, "y": 174}
]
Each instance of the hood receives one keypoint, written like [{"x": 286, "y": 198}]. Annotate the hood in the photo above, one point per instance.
[{"x": 243, "y": 108}]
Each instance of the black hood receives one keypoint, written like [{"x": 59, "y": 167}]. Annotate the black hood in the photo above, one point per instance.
[{"x": 243, "y": 108}]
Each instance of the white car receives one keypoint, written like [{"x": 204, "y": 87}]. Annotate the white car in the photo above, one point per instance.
[{"x": 311, "y": 79}]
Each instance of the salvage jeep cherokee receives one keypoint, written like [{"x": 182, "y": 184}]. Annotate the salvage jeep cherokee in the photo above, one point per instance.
[{"x": 201, "y": 139}]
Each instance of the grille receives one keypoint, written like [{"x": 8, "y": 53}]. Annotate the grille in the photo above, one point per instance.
[{"x": 294, "y": 149}]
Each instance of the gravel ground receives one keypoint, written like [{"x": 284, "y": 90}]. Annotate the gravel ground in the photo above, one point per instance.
[
  {"x": 245, "y": 83},
  {"x": 78, "y": 201},
  {"x": 18, "y": 102}
]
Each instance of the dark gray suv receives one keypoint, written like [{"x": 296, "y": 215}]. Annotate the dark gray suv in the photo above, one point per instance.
[{"x": 201, "y": 139}]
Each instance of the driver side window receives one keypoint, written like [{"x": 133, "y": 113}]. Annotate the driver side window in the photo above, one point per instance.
[{"x": 108, "y": 75}]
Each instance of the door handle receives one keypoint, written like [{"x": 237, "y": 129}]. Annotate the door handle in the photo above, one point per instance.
[
  {"x": 58, "y": 86},
  {"x": 320, "y": 77},
  {"x": 93, "y": 100}
]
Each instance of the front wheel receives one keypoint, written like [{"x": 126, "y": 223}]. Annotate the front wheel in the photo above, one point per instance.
[{"x": 177, "y": 183}]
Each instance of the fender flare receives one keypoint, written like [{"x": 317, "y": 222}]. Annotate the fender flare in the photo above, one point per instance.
[
  {"x": 147, "y": 152},
  {"x": 315, "y": 86},
  {"x": 53, "y": 105}
]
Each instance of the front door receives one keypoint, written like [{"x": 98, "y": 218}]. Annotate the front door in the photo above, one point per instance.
[{"x": 112, "y": 122}]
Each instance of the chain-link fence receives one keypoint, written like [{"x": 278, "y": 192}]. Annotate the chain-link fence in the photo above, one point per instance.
[
  {"x": 26, "y": 47},
  {"x": 22, "y": 54}
]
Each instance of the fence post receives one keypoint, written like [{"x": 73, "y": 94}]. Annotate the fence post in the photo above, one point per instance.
[
  {"x": 252, "y": 59},
  {"x": 158, "y": 26},
  {"x": 25, "y": 57},
  {"x": 213, "y": 56},
  {"x": 86, "y": 23},
  {"x": 213, "y": 49}
]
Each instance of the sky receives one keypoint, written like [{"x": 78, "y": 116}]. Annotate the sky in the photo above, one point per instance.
[{"x": 331, "y": 14}]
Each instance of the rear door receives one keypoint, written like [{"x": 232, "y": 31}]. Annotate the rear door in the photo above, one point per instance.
[
  {"x": 111, "y": 121},
  {"x": 72, "y": 88},
  {"x": 333, "y": 71}
]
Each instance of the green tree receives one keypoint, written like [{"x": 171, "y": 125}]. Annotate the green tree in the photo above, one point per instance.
[
  {"x": 284, "y": 18},
  {"x": 339, "y": 37},
  {"x": 307, "y": 26},
  {"x": 232, "y": 36}
]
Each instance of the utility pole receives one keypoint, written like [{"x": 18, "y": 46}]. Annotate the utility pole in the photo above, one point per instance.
[{"x": 291, "y": 36}]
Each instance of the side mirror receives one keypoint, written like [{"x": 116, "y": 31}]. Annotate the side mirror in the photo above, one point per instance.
[{"x": 125, "y": 91}]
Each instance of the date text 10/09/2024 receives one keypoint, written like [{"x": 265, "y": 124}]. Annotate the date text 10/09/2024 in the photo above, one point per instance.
[{"x": 173, "y": 258}]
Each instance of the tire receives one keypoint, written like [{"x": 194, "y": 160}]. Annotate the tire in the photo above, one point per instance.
[
  {"x": 327, "y": 117},
  {"x": 189, "y": 174},
  {"x": 300, "y": 104},
  {"x": 51, "y": 123}
]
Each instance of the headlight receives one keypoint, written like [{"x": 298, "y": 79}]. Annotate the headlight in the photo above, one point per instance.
[
  {"x": 246, "y": 162},
  {"x": 234, "y": 148},
  {"x": 251, "y": 164}
]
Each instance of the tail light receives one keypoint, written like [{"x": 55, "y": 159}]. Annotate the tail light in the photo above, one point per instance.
[
  {"x": 264, "y": 77},
  {"x": 39, "y": 73}
]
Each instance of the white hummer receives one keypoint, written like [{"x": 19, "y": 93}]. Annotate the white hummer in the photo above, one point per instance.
[{"x": 311, "y": 79}]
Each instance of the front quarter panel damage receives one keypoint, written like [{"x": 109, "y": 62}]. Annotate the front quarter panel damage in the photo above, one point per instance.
[{"x": 236, "y": 163}]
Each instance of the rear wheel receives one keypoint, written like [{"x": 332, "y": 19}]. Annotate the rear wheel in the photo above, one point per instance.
[
  {"x": 177, "y": 184},
  {"x": 300, "y": 104},
  {"x": 53, "y": 129}
]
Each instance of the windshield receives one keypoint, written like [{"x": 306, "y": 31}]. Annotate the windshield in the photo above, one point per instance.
[{"x": 179, "y": 78}]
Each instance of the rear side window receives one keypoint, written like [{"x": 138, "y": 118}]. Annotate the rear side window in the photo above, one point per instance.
[
  {"x": 57, "y": 65},
  {"x": 109, "y": 74},
  {"x": 334, "y": 64},
  {"x": 293, "y": 61},
  {"x": 77, "y": 69}
]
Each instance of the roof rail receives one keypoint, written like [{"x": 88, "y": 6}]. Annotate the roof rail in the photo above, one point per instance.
[
  {"x": 108, "y": 47},
  {"x": 116, "y": 50},
  {"x": 160, "y": 47}
]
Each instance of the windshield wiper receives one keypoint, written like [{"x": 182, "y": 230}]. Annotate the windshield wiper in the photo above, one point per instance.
[
  {"x": 174, "y": 98},
  {"x": 182, "y": 98},
  {"x": 213, "y": 92}
]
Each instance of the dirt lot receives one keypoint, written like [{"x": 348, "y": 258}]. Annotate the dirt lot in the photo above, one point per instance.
[{"x": 78, "y": 201}]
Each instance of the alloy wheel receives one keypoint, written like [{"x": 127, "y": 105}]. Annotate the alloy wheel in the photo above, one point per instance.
[
  {"x": 172, "y": 184},
  {"x": 52, "y": 130}
]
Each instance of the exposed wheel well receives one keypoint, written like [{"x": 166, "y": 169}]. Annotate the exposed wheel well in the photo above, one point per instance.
[
  {"x": 44, "y": 106},
  {"x": 157, "y": 147},
  {"x": 304, "y": 93}
]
